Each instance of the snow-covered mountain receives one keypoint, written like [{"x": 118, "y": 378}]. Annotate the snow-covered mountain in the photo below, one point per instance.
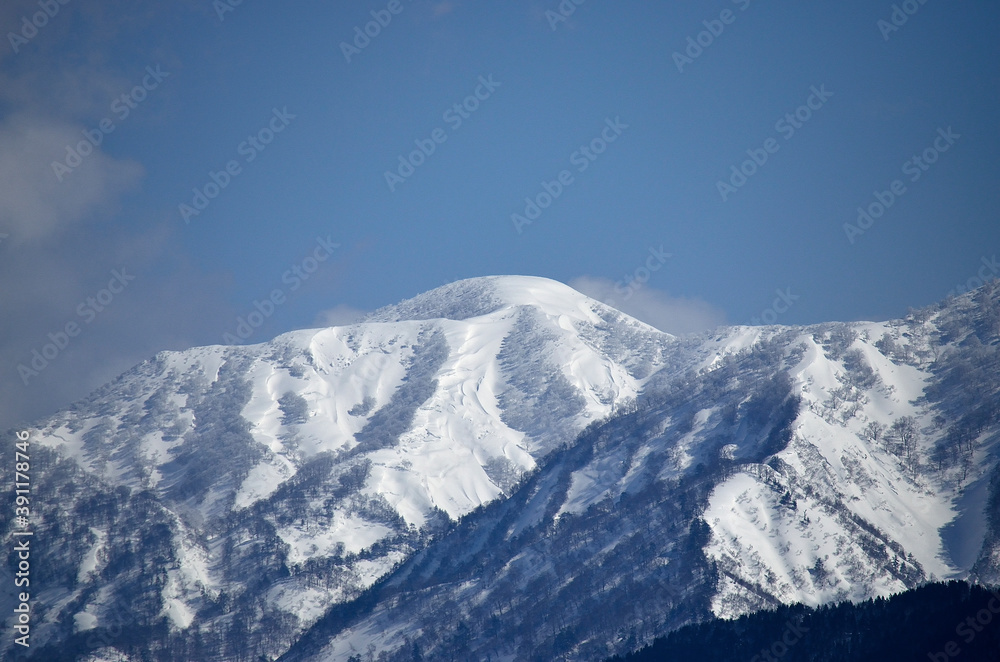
[
  {"x": 503, "y": 468},
  {"x": 325, "y": 456}
]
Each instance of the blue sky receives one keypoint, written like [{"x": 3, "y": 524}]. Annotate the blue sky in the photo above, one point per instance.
[{"x": 556, "y": 80}]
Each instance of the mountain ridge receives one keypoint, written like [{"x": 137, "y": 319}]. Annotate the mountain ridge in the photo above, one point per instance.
[{"x": 261, "y": 484}]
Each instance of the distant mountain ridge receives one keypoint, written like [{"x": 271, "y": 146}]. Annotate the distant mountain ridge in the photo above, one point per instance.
[{"x": 472, "y": 473}]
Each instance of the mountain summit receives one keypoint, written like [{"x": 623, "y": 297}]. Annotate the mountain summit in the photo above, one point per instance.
[{"x": 475, "y": 297}]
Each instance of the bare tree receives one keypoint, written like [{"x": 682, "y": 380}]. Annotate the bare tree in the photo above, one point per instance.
[
  {"x": 874, "y": 431},
  {"x": 886, "y": 345},
  {"x": 904, "y": 432}
]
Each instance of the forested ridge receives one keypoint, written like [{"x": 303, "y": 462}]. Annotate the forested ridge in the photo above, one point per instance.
[{"x": 939, "y": 622}]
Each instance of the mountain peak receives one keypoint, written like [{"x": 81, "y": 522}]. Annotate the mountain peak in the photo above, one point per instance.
[{"x": 474, "y": 297}]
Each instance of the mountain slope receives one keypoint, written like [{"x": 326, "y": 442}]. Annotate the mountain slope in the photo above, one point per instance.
[
  {"x": 803, "y": 465},
  {"x": 290, "y": 475}
]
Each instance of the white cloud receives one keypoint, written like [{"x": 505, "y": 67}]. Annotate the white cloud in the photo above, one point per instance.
[
  {"x": 34, "y": 204},
  {"x": 61, "y": 239},
  {"x": 677, "y": 315}
]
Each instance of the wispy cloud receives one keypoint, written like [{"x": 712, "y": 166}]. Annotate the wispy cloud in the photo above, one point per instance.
[
  {"x": 341, "y": 315},
  {"x": 34, "y": 203},
  {"x": 677, "y": 315},
  {"x": 62, "y": 239}
]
